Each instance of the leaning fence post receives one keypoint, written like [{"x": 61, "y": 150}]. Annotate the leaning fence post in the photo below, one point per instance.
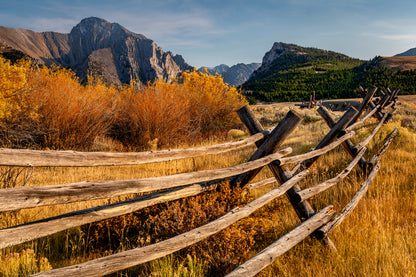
[
  {"x": 286, "y": 126},
  {"x": 348, "y": 145},
  {"x": 367, "y": 98},
  {"x": 377, "y": 115},
  {"x": 303, "y": 209},
  {"x": 337, "y": 129}
]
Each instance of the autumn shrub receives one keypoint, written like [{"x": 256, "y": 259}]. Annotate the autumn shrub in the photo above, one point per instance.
[
  {"x": 71, "y": 116},
  {"x": 213, "y": 102},
  {"x": 222, "y": 252},
  {"x": 17, "y": 114},
  {"x": 48, "y": 107},
  {"x": 43, "y": 107},
  {"x": 189, "y": 109},
  {"x": 158, "y": 112}
]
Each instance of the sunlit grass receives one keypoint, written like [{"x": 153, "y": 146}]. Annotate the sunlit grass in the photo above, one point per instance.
[{"x": 376, "y": 239}]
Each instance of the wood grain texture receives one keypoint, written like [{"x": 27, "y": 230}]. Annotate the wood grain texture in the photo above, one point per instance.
[
  {"x": 373, "y": 133},
  {"x": 129, "y": 258},
  {"x": 312, "y": 191},
  {"x": 279, "y": 247},
  {"x": 314, "y": 153},
  {"x": 29, "y": 197},
  {"x": 364, "y": 119},
  {"x": 385, "y": 146},
  {"x": 352, "y": 204},
  {"x": 33, "y": 230},
  {"x": 285, "y": 127},
  {"x": 39, "y": 158}
]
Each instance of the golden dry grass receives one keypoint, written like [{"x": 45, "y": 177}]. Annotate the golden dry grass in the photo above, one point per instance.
[
  {"x": 377, "y": 239},
  {"x": 402, "y": 63}
]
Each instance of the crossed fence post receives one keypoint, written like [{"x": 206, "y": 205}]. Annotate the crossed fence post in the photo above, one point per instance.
[
  {"x": 303, "y": 209},
  {"x": 387, "y": 97}
]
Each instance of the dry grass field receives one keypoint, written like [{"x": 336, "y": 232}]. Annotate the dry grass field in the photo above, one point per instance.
[
  {"x": 377, "y": 239},
  {"x": 402, "y": 63}
]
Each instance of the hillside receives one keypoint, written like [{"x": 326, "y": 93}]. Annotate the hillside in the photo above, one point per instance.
[
  {"x": 96, "y": 47},
  {"x": 291, "y": 73},
  {"x": 399, "y": 62}
]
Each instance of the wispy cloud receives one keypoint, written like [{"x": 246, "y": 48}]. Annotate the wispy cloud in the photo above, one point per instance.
[
  {"x": 189, "y": 29},
  {"x": 39, "y": 24},
  {"x": 392, "y": 29},
  {"x": 61, "y": 25}
]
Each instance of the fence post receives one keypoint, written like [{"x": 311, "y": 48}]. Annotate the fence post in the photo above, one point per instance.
[
  {"x": 303, "y": 209},
  {"x": 348, "y": 145},
  {"x": 335, "y": 131},
  {"x": 285, "y": 127},
  {"x": 367, "y": 98}
]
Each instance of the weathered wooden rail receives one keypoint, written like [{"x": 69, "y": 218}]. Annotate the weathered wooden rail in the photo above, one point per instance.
[{"x": 168, "y": 188}]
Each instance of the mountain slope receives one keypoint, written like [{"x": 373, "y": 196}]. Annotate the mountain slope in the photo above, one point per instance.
[
  {"x": 238, "y": 74},
  {"x": 290, "y": 73},
  {"x": 99, "y": 48},
  {"x": 410, "y": 52},
  {"x": 399, "y": 62}
]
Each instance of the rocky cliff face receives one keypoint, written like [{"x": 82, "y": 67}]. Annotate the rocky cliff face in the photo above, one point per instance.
[
  {"x": 99, "y": 48},
  {"x": 277, "y": 50}
]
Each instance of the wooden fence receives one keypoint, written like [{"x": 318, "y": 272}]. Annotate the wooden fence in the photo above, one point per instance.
[{"x": 167, "y": 188}]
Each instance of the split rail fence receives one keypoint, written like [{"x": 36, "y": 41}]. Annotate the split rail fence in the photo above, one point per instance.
[{"x": 167, "y": 188}]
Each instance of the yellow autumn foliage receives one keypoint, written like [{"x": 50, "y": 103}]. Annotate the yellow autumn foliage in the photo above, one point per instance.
[
  {"x": 43, "y": 107},
  {"x": 13, "y": 83}
]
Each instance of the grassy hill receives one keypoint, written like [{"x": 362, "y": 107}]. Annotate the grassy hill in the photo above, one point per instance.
[{"x": 298, "y": 71}]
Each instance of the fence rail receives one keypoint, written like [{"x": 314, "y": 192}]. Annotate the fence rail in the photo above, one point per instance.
[
  {"x": 167, "y": 188},
  {"x": 38, "y": 158}
]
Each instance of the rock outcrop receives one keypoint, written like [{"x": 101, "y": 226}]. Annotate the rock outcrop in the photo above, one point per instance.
[{"x": 99, "y": 48}]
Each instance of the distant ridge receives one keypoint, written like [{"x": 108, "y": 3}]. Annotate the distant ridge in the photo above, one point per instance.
[
  {"x": 410, "y": 52},
  {"x": 96, "y": 47},
  {"x": 234, "y": 75}
]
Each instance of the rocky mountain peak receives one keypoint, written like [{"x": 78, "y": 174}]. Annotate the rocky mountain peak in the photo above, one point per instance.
[
  {"x": 99, "y": 48},
  {"x": 101, "y": 28},
  {"x": 276, "y": 51}
]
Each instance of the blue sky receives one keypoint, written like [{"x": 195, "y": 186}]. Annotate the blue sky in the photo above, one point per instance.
[{"x": 208, "y": 33}]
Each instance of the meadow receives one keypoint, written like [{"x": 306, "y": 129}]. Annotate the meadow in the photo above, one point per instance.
[{"x": 375, "y": 240}]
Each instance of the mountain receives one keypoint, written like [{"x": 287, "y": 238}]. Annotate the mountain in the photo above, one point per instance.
[
  {"x": 234, "y": 75},
  {"x": 220, "y": 69},
  {"x": 238, "y": 74},
  {"x": 96, "y": 47},
  {"x": 410, "y": 52},
  {"x": 291, "y": 73}
]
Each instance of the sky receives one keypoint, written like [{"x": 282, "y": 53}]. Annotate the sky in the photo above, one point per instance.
[{"x": 209, "y": 33}]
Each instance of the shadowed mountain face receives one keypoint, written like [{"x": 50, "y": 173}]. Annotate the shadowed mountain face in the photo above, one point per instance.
[
  {"x": 99, "y": 48},
  {"x": 234, "y": 75}
]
